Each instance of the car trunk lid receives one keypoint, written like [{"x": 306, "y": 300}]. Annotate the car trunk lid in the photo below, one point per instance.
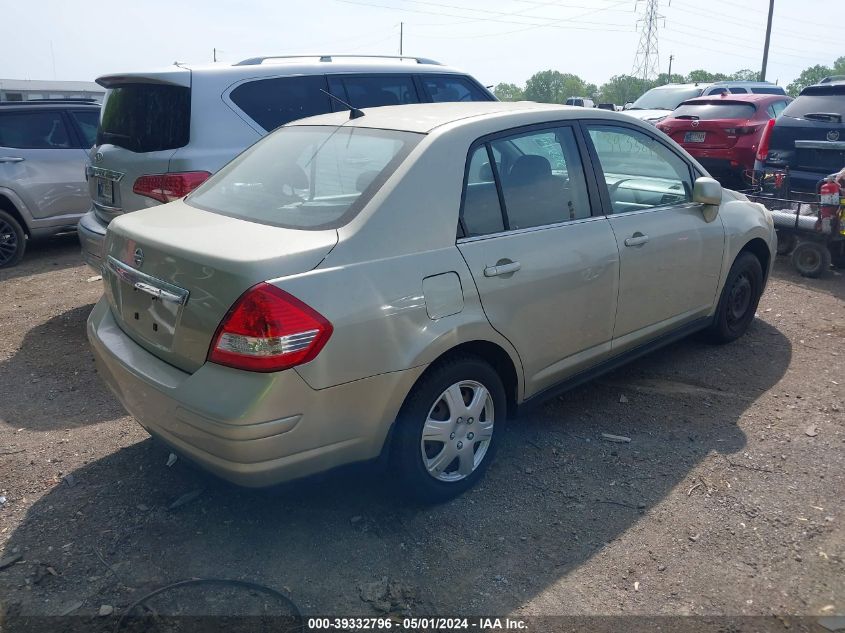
[
  {"x": 145, "y": 119},
  {"x": 172, "y": 273}
]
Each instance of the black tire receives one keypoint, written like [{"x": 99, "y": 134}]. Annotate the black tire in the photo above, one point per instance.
[
  {"x": 12, "y": 240},
  {"x": 407, "y": 458},
  {"x": 811, "y": 259},
  {"x": 786, "y": 242},
  {"x": 739, "y": 299}
]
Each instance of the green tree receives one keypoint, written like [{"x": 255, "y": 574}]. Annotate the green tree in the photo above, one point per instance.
[
  {"x": 814, "y": 74},
  {"x": 551, "y": 86},
  {"x": 620, "y": 89},
  {"x": 704, "y": 76},
  {"x": 808, "y": 77},
  {"x": 508, "y": 92},
  {"x": 664, "y": 78},
  {"x": 746, "y": 74}
]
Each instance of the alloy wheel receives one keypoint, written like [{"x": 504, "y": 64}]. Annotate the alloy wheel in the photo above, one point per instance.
[
  {"x": 8, "y": 242},
  {"x": 457, "y": 431}
]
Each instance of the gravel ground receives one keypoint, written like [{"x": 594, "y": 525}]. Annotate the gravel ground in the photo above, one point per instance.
[{"x": 728, "y": 499}]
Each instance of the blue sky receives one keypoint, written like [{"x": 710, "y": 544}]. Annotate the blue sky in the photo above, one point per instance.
[{"x": 495, "y": 40}]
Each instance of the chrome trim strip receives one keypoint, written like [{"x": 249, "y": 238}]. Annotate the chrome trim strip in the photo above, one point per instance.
[
  {"x": 530, "y": 229},
  {"x": 156, "y": 288},
  {"x": 834, "y": 145}
]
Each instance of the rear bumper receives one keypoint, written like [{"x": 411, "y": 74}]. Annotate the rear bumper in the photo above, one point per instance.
[
  {"x": 250, "y": 428},
  {"x": 723, "y": 160},
  {"x": 92, "y": 238}
]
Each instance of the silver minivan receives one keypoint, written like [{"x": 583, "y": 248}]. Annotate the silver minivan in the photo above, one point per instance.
[{"x": 162, "y": 133}]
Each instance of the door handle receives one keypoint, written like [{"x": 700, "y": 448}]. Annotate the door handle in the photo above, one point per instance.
[
  {"x": 502, "y": 269},
  {"x": 637, "y": 239},
  {"x": 11, "y": 159}
]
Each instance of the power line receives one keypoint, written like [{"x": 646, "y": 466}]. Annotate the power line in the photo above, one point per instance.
[
  {"x": 527, "y": 25},
  {"x": 647, "y": 59}
]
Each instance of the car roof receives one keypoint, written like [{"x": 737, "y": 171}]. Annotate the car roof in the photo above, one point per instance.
[
  {"x": 736, "y": 98},
  {"x": 48, "y": 104},
  {"x": 425, "y": 117},
  {"x": 180, "y": 73}
]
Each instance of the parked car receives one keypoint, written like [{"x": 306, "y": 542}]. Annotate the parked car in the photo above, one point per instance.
[
  {"x": 581, "y": 102},
  {"x": 42, "y": 180},
  {"x": 608, "y": 106},
  {"x": 400, "y": 283},
  {"x": 656, "y": 104},
  {"x": 808, "y": 139},
  {"x": 724, "y": 132},
  {"x": 163, "y": 133}
]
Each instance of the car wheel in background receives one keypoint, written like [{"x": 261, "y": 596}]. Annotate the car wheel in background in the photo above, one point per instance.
[
  {"x": 786, "y": 242},
  {"x": 447, "y": 429},
  {"x": 811, "y": 259},
  {"x": 12, "y": 240},
  {"x": 739, "y": 299}
]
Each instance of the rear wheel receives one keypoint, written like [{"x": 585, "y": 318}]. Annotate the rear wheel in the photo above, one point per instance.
[
  {"x": 811, "y": 259},
  {"x": 739, "y": 299},
  {"x": 12, "y": 240},
  {"x": 447, "y": 430}
]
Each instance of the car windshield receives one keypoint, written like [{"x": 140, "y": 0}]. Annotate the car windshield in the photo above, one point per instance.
[
  {"x": 717, "y": 110},
  {"x": 306, "y": 177},
  {"x": 665, "y": 98}
]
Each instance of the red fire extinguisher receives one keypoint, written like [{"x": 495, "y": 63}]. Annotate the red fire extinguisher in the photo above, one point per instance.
[{"x": 829, "y": 197}]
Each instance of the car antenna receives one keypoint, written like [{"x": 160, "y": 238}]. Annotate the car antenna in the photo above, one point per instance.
[{"x": 354, "y": 113}]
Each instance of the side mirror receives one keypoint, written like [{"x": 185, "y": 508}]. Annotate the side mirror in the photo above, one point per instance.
[
  {"x": 628, "y": 105},
  {"x": 708, "y": 192}
]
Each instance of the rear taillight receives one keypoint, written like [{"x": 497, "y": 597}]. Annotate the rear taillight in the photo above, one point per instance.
[
  {"x": 169, "y": 187},
  {"x": 742, "y": 130},
  {"x": 763, "y": 149},
  {"x": 269, "y": 330}
]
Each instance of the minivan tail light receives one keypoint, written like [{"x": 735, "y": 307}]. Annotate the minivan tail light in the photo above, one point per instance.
[
  {"x": 268, "y": 330},
  {"x": 763, "y": 149},
  {"x": 169, "y": 187}
]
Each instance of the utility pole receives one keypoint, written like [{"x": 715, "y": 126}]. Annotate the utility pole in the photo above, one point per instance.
[
  {"x": 401, "y": 37},
  {"x": 669, "y": 78},
  {"x": 214, "y": 54},
  {"x": 646, "y": 61},
  {"x": 768, "y": 38}
]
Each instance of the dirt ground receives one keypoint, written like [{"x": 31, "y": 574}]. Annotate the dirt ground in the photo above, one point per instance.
[{"x": 728, "y": 499}]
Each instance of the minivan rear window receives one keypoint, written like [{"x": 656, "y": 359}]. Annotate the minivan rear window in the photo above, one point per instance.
[
  {"x": 146, "y": 117},
  {"x": 710, "y": 111},
  {"x": 306, "y": 177}
]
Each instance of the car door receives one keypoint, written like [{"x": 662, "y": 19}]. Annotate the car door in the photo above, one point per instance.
[
  {"x": 42, "y": 163},
  {"x": 670, "y": 256},
  {"x": 543, "y": 257}
]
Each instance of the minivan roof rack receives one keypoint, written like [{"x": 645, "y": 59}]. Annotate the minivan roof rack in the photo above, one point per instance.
[
  {"x": 255, "y": 61},
  {"x": 49, "y": 101}
]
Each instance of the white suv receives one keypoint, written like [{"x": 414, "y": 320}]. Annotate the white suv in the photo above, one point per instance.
[{"x": 162, "y": 133}]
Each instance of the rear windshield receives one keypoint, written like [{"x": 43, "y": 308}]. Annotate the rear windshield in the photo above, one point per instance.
[
  {"x": 708, "y": 111},
  {"x": 146, "y": 117},
  {"x": 812, "y": 103},
  {"x": 306, "y": 177}
]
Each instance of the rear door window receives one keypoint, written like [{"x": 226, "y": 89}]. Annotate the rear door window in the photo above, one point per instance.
[
  {"x": 34, "y": 130},
  {"x": 274, "y": 102},
  {"x": 372, "y": 91},
  {"x": 443, "y": 88},
  {"x": 86, "y": 121},
  {"x": 711, "y": 111},
  {"x": 146, "y": 117}
]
